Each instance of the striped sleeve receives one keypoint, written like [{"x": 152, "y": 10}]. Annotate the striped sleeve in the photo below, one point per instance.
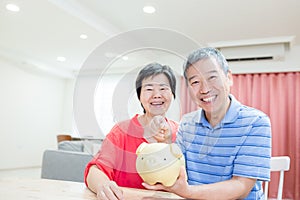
[{"x": 253, "y": 158}]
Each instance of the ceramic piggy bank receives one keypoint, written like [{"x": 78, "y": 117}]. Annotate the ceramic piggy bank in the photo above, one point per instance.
[{"x": 159, "y": 162}]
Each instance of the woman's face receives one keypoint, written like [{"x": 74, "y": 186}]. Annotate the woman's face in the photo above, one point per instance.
[{"x": 156, "y": 95}]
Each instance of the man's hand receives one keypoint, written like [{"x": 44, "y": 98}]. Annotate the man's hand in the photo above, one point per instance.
[{"x": 180, "y": 187}]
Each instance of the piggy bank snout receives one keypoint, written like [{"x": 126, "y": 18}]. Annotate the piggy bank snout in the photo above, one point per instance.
[
  {"x": 150, "y": 162},
  {"x": 154, "y": 163}
]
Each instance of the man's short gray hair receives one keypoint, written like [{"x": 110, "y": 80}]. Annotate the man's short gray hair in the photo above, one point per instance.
[{"x": 204, "y": 53}]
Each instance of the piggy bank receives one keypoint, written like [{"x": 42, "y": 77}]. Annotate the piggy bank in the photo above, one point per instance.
[{"x": 159, "y": 162}]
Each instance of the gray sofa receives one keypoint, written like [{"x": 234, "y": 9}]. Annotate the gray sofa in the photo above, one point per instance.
[
  {"x": 64, "y": 165},
  {"x": 68, "y": 162}
]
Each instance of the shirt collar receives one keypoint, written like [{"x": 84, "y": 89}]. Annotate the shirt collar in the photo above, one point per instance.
[{"x": 230, "y": 116}]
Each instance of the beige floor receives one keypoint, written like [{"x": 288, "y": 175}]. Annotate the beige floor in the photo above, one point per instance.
[{"x": 25, "y": 173}]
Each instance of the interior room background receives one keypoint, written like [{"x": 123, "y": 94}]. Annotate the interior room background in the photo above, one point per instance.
[{"x": 36, "y": 106}]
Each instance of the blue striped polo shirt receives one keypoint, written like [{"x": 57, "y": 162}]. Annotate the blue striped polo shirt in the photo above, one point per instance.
[{"x": 240, "y": 145}]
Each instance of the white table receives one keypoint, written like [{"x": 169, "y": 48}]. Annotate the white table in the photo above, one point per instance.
[{"x": 45, "y": 189}]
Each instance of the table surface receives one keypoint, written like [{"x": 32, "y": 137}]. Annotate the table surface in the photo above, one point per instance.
[{"x": 55, "y": 189}]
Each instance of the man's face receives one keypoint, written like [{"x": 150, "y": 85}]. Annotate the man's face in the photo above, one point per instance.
[{"x": 208, "y": 85}]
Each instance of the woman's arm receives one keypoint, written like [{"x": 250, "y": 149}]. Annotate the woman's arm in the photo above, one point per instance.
[{"x": 100, "y": 184}]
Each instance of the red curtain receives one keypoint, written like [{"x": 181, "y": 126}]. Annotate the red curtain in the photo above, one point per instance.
[
  {"x": 186, "y": 103},
  {"x": 278, "y": 95}
]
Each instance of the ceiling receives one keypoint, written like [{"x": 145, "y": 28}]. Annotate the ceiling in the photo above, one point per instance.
[{"x": 42, "y": 30}]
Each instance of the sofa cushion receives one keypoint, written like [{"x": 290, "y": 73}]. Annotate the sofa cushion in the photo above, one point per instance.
[
  {"x": 71, "y": 146},
  {"x": 64, "y": 165}
]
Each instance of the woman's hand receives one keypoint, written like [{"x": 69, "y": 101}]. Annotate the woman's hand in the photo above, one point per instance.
[
  {"x": 160, "y": 129},
  {"x": 109, "y": 191}
]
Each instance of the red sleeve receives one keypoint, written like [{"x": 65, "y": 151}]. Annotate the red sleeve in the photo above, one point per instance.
[
  {"x": 174, "y": 127},
  {"x": 106, "y": 159}
]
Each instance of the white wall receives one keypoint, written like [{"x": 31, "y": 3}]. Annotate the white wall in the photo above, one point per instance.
[
  {"x": 31, "y": 107},
  {"x": 67, "y": 114}
]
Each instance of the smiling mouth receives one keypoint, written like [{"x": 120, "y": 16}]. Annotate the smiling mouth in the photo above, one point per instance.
[
  {"x": 157, "y": 103},
  {"x": 209, "y": 99}
]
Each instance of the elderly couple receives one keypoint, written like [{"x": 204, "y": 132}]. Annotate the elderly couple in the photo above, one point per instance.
[{"x": 226, "y": 145}]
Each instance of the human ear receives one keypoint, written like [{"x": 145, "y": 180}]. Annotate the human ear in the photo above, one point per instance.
[{"x": 230, "y": 78}]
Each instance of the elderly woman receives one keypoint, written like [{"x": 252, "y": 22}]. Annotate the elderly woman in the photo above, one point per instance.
[{"x": 114, "y": 165}]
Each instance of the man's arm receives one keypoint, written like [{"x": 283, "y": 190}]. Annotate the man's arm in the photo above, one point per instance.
[{"x": 235, "y": 188}]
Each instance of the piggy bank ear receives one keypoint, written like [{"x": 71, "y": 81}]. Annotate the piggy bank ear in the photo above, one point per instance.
[
  {"x": 140, "y": 148},
  {"x": 175, "y": 150}
]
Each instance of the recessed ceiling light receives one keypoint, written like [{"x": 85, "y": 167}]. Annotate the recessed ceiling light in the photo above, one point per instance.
[
  {"x": 149, "y": 9},
  {"x": 61, "y": 59},
  {"x": 83, "y": 36},
  {"x": 12, "y": 7}
]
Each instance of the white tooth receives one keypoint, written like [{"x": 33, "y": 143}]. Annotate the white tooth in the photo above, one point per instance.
[
  {"x": 156, "y": 103},
  {"x": 208, "y": 99}
]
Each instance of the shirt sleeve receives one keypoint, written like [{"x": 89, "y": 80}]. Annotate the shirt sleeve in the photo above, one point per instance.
[
  {"x": 106, "y": 159},
  {"x": 174, "y": 129},
  {"x": 179, "y": 136},
  {"x": 253, "y": 157}
]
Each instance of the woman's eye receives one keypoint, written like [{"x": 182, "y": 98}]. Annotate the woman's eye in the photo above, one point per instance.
[{"x": 147, "y": 89}]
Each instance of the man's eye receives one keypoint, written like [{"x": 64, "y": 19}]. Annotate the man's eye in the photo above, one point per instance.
[
  {"x": 212, "y": 77},
  {"x": 194, "y": 82}
]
